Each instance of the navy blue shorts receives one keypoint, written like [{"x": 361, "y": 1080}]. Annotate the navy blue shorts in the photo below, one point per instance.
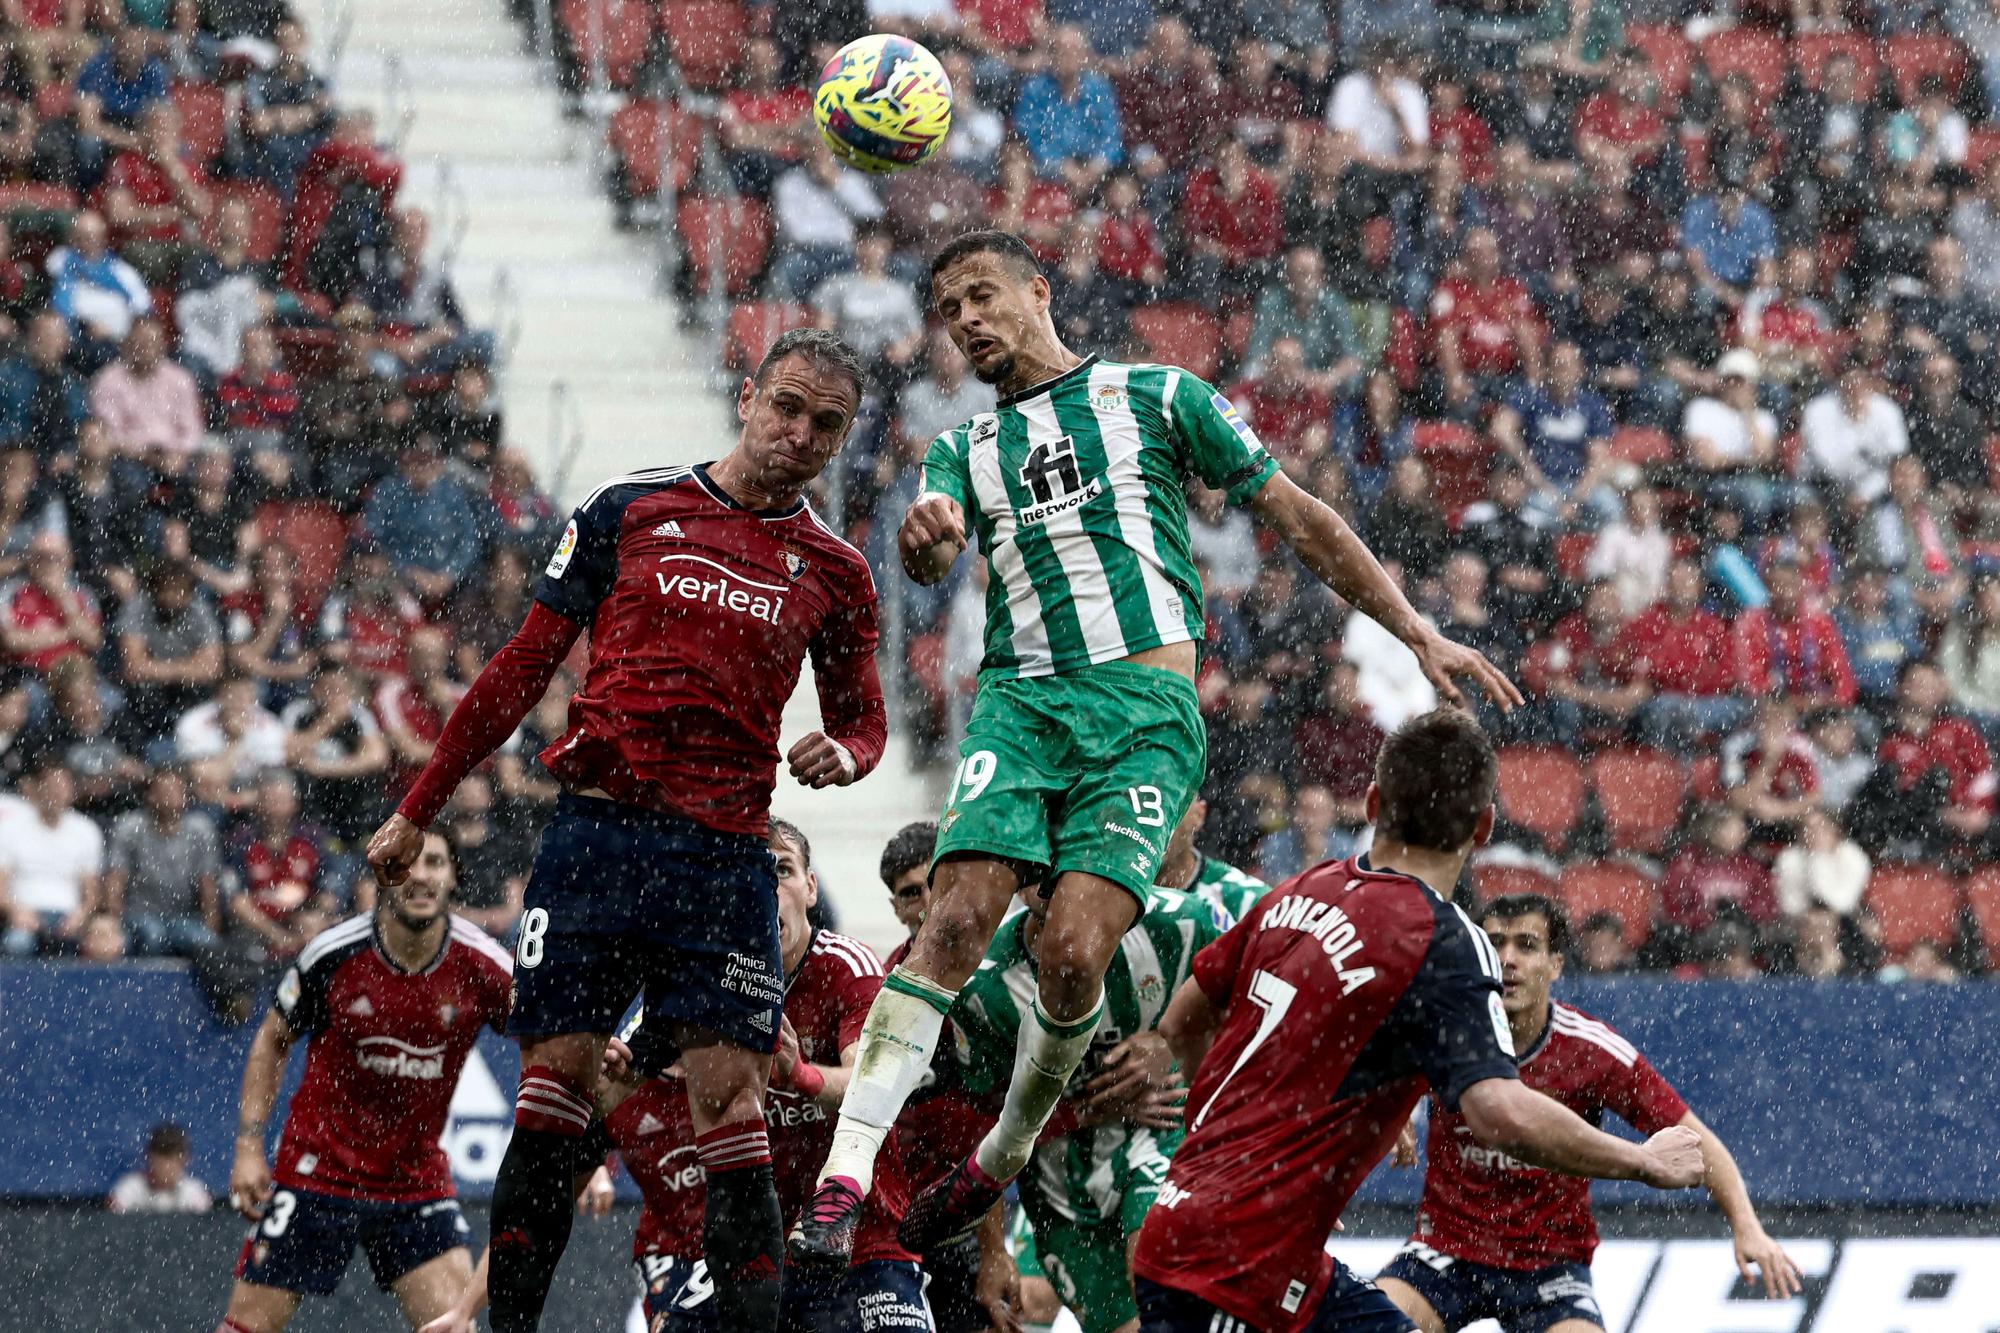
[
  {"x": 305, "y": 1239},
  {"x": 625, "y": 902},
  {"x": 880, "y": 1296},
  {"x": 1523, "y": 1300},
  {"x": 1351, "y": 1305}
]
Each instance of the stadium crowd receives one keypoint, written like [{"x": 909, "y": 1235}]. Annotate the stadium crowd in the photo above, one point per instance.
[
  {"x": 1649, "y": 342},
  {"x": 257, "y": 523}
]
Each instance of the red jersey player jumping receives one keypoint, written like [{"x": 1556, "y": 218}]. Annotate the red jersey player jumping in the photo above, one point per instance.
[
  {"x": 830, "y": 982},
  {"x": 1499, "y": 1239},
  {"x": 1314, "y": 1026},
  {"x": 389, "y": 1004},
  {"x": 704, "y": 589}
]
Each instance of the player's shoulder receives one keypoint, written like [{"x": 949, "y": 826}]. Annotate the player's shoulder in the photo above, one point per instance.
[
  {"x": 1577, "y": 1033},
  {"x": 844, "y": 556},
  {"x": 336, "y": 944},
  {"x": 612, "y": 495},
  {"x": 844, "y": 956},
  {"x": 481, "y": 947}
]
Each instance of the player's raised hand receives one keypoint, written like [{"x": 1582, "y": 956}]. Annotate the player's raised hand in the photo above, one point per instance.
[
  {"x": 932, "y": 535},
  {"x": 1444, "y": 663},
  {"x": 250, "y": 1181},
  {"x": 394, "y": 849},
  {"x": 451, "y": 1321},
  {"x": 1781, "y": 1276},
  {"x": 597, "y": 1195},
  {"x": 818, "y": 761},
  {"x": 616, "y": 1064},
  {"x": 1673, "y": 1159},
  {"x": 787, "y": 1057},
  {"x": 1131, "y": 1072}
]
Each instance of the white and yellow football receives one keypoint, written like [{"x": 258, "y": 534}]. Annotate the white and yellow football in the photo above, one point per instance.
[{"x": 883, "y": 103}]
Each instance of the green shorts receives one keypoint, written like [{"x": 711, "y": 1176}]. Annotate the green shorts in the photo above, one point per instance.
[
  {"x": 1086, "y": 1262},
  {"x": 1089, "y": 771}
]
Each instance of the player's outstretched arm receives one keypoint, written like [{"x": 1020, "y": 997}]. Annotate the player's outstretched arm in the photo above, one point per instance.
[
  {"x": 250, "y": 1177},
  {"x": 1754, "y": 1247},
  {"x": 1507, "y": 1114},
  {"x": 932, "y": 535},
  {"x": 511, "y": 684},
  {"x": 1343, "y": 562}
]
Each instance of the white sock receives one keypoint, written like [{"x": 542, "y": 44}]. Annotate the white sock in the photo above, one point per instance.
[
  {"x": 1046, "y": 1053},
  {"x": 896, "y": 1045}
]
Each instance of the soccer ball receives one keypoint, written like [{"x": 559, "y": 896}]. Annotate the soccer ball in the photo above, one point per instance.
[{"x": 882, "y": 103}]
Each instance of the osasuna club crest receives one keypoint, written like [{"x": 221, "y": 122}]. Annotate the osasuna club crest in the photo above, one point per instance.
[{"x": 795, "y": 564}]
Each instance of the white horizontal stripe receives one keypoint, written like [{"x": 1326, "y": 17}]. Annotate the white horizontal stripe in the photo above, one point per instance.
[
  {"x": 536, "y": 1106},
  {"x": 473, "y": 937},
  {"x": 1620, "y": 1050},
  {"x": 554, "y": 1092},
  {"x": 659, "y": 476},
  {"x": 857, "y": 956},
  {"x": 332, "y": 938},
  {"x": 734, "y": 1141}
]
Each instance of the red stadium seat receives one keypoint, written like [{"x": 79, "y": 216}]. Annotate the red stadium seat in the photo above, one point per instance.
[
  {"x": 625, "y": 31},
  {"x": 1912, "y": 904},
  {"x": 267, "y": 215},
  {"x": 204, "y": 120},
  {"x": 1491, "y": 881},
  {"x": 1614, "y": 887},
  {"x": 1459, "y": 459},
  {"x": 1180, "y": 333},
  {"x": 1812, "y": 50},
  {"x": 1911, "y": 56},
  {"x": 1667, "y": 53},
  {"x": 738, "y": 229},
  {"x": 1541, "y": 789},
  {"x": 1982, "y": 897},
  {"x": 1758, "y": 54},
  {"x": 1981, "y": 148},
  {"x": 1705, "y": 780},
  {"x": 1641, "y": 445},
  {"x": 753, "y": 327},
  {"x": 634, "y": 138},
  {"x": 706, "y": 38},
  {"x": 1641, "y": 793}
]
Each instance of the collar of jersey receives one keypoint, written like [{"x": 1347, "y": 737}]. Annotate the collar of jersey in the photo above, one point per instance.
[
  {"x": 1536, "y": 1046},
  {"x": 1080, "y": 368},
  {"x": 723, "y": 497},
  {"x": 375, "y": 936}
]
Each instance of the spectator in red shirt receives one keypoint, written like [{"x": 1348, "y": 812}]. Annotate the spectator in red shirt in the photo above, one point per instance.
[
  {"x": 1685, "y": 651},
  {"x": 413, "y": 706},
  {"x": 1290, "y": 413},
  {"x": 273, "y": 879},
  {"x": 1934, "y": 769},
  {"x": 1334, "y": 746},
  {"x": 1771, "y": 772},
  {"x": 1486, "y": 326},
  {"x": 1034, "y": 209},
  {"x": 999, "y": 26},
  {"x": 1789, "y": 648},
  {"x": 1787, "y": 326},
  {"x": 259, "y": 398},
  {"x": 155, "y": 199},
  {"x": 1166, "y": 103},
  {"x": 1128, "y": 250},
  {"x": 759, "y": 124},
  {"x": 1622, "y": 124},
  {"x": 1256, "y": 101},
  {"x": 1233, "y": 222},
  {"x": 1457, "y": 131},
  {"x": 1580, "y": 679},
  {"x": 370, "y": 616},
  {"x": 48, "y": 614},
  {"x": 1715, "y": 873}
]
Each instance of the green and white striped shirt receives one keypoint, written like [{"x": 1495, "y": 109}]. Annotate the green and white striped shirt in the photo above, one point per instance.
[
  {"x": 1075, "y": 491},
  {"x": 1075, "y": 1176},
  {"x": 1226, "y": 889}
]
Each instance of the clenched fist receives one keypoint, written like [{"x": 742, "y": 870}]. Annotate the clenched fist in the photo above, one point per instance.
[{"x": 932, "y": 535}]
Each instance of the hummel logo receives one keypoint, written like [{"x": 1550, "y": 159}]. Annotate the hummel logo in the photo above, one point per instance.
[
  {"x": 669, "y": 529},
  {"x": 362, "y": 1007}
]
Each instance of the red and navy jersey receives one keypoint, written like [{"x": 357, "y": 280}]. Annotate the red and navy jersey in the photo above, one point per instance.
[
  {"x": 1485, "y": 1207},
  {"x": 701, "y": 613},
  {"x": 1345, "y": 993},
  {"x": 826, "y": 1002},
  {"x": 384, "y": 1049}
]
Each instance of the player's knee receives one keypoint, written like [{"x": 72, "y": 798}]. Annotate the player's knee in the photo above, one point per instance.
[
  {"x": 1072, "y": 958},
  {"x": 955, "y": 934}
]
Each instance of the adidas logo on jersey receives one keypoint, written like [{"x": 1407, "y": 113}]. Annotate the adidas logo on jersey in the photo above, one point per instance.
[
  {"x": 649, "y": 1124},
  {"x": 361, "y": 1008},
  {"x": 669, "y": 529},
  {"x": 762, "y": 1022}
]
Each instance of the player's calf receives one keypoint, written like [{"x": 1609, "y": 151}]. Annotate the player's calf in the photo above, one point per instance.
[{"x": 533, "y": 1193}]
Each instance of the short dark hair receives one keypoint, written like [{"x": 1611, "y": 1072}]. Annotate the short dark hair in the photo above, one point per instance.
[
  {"x": 792, "y": 833},
  {"x": 168, "y": 1140},
  {"x": 823, "y": 348},
  {"x": 1436, "y": 775},
  {"x": 1513, "y": 906},
  {"x": 988, "y": 241},
  {"x": 914, "y": 845}
]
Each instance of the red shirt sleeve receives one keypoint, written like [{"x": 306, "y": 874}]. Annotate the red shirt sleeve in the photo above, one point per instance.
[
  {"x": 1839, "y": 671},
  {"x": 1643, "y": 1099},
  {"x": 511, "y": 683},
  {"x": 1214, "y": 969},
  {"x": 850, "y": 690},
  {"x": 1753, "y": 653}
]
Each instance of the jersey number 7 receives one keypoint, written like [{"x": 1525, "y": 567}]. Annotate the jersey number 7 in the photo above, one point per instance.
[{"x": 1274, "y": 996}]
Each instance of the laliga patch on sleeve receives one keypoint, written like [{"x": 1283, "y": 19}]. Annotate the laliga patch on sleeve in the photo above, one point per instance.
[
  {"x": 559, "y": 562},
  {"x": 288, "y": 991},
  {"x": 1501, "y": 1031},
  {"x": 1235, "y": 420}
]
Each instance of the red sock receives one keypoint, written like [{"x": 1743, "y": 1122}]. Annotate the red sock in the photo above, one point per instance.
[
  {"x": 733, "y": 1147},
  {"x": 549, "y": 1102}
]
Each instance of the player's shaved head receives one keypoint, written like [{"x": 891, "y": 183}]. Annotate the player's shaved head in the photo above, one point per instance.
[
  {"x": 824, "y": 348},
  {"x": 1011, "y": 250},
  {"x": 1435, "y": 777}
]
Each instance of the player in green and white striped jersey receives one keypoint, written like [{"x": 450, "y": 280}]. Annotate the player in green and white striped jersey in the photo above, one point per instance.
[
  {"x": 1228, "y": 892},
  {"x": 1085, "y": 742},
  {"x": 1087, "y": 1191}
]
